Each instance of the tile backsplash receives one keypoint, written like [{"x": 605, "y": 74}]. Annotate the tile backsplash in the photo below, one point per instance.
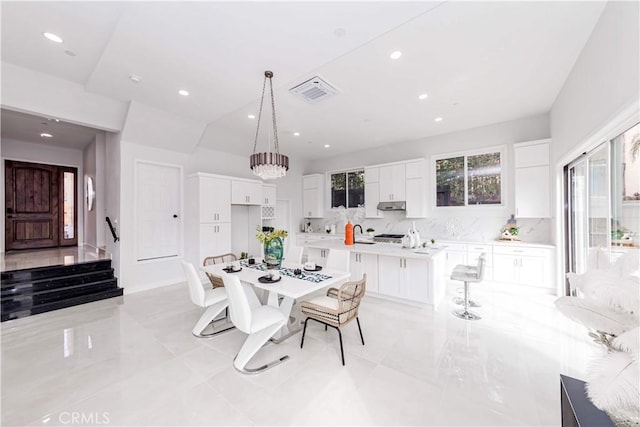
[{"x": 466, "y": 228}]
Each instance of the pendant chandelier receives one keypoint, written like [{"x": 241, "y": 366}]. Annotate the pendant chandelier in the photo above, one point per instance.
[{"x": 269, "y": 164}]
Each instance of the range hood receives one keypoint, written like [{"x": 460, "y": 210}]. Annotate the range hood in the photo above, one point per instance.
[{"x": 392, "y": 206}]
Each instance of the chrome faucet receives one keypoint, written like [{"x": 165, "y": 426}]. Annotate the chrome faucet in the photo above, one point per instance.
[{"x": 354, "y": 228}]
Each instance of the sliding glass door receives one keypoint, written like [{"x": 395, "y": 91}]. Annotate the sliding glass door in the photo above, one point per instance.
[{"x": 603, "y": 201}]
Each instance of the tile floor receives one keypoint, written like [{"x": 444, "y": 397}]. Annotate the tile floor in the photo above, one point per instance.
[
  {"x": 23, "y": 259},
  {"x": 133, "y": 361}
]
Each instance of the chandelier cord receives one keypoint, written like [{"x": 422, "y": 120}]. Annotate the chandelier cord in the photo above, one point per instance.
[
  {"x": 273, "y": 114},
  {"x": 255, "y": 141}
]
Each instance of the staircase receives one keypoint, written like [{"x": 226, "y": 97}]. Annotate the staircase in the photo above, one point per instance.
[{"x": 42, "y": 289}]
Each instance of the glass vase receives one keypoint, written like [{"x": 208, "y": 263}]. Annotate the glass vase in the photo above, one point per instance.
[{"x": 273, "y": 252}]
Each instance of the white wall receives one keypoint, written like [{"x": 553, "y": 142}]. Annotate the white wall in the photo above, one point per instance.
[
  {"x": 94, "y": 167},
  {"x": 599, "y": 99},
  {"x": 112, "y": 196},
  {"x": 604, "y": 81},
  {"x": 473, "y": 223},
  {"x": 89, "y": 161},
  {"x": 40, "y": 153},
  {"x": 44, "y": 95}
]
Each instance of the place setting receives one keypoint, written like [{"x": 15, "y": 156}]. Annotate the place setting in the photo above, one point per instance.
[{"x": 273, "y": 276}]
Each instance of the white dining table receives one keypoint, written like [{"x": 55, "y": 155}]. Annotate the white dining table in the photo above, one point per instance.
[{"x": 289, "y": 288}]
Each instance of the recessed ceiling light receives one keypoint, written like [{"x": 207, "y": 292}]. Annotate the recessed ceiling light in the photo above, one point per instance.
[
  {"x": 395, "y": 55},
  {"x": 438, "y": 119},
  {"x": 296, "y": 134},
  {"x": 251, "y": 116},
  {"x": 135, "y": 78},
  {"x": 53, "y": 37},
  {"x": 46, "y": 135},
  {"x": 423, "y": 96},
  {"x": 183, "y": 92},
  {"x": 326, "y": 146}
]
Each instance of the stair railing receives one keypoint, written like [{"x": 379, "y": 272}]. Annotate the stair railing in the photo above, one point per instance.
[{"x": 113, "y": 230}]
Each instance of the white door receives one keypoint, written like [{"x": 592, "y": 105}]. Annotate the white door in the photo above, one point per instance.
[{"x": 159, "y": 217}]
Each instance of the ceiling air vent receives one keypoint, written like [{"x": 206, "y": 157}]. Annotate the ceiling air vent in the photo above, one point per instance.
[{"x": 314, "y": 90}]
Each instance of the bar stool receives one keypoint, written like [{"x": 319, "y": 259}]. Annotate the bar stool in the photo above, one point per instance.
[
  {"x": 459, "y": 300},
  {"x": 468, "y": 274}
]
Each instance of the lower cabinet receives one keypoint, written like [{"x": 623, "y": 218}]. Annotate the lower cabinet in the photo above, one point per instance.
[
  {"x": 317, "y": 255},
  {"x": 523, "y": 266},
  {"x": 215, "y": 239},
  {"x": 456, "y": 254},
  {"x": 365, "y": 264},
  {"x": 403, "y": 278}
]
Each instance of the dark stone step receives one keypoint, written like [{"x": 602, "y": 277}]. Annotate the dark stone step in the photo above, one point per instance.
[
  {"x": 56, "y": 305},
  {"x": 9, "y": 290},
  {"x": 22, "y": 302},
  {"x": 40, "y": 273}
]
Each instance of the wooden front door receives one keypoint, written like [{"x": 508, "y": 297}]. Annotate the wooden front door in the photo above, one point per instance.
[{"x": 33, "y": 210}]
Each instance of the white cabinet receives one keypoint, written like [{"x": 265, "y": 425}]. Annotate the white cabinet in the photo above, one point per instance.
[
  {"x": 365, "y": 264},
  {"x": 416, "y": 189},
  {"x": 268, "y": 201},
  {"x": 372, "y": 193},
  {"x": 312, "y": 196},
  {"x": 523, "y": 266},
  {"x": 473, "y": 253},
  {"x": 532, "y": 179},
  {"x": 532, "y": 192},
  {"x": 392, "y": 183},
  {"x": 416, "y": 198},
  {"x": 317, "y": 255},
  {"x": 405, "y": 278},
  {"x": 215, "y": 239},
  {"x": 456, "y": 254},
  {"x": 246, "y": 192},
  {"x": 208, "y": 219},
  {"x": 212, "y": 198}
]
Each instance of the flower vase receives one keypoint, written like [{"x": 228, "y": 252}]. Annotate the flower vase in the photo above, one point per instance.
[{"x": 273, "y": 252}]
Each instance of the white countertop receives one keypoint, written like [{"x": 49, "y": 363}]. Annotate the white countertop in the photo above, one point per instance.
[
  {"x": 338, "y": 236},
  {"x": 498, "y": 242},
  {"x": 390, "y": 249}
]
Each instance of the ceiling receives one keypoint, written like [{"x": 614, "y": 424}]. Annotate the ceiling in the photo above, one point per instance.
[
  {"x": 28, "y": 128},
  {"x": 479, "y": 63}
]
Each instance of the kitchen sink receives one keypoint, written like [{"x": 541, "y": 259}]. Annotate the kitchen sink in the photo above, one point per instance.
[{"x": 364, "y": 242}]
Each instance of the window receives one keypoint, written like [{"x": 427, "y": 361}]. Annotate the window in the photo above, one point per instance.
[
  {"x": 469, "y": 180},
  {"x": 347, "y": 189}
]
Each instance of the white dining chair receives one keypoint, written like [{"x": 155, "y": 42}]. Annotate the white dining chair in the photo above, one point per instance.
[
  {"x": 214, "y": 300},
  {"x": 261, "y": 322},
  {"x": 293, "y": 256},
  {"x": 338, "y": 259}
]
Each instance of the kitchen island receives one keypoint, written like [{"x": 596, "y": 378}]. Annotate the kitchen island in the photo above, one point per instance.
[{"x": 405, "y": 275}]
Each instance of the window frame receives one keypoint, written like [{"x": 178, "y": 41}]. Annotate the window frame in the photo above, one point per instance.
[
  {"x": 329, "y": 188},
  {"x": 501, "y": 149}
]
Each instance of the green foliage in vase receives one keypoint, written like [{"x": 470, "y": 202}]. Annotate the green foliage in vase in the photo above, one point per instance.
[{"x": 268, "y": 236}]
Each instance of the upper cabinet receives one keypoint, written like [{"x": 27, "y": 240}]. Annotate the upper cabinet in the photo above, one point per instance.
[
  {"x": 213, "y": 198},
  {"x": 268, "y": 201},
  {"x": 392, "y": 183},
  {"x": 246, "y": 192},
  {"x": 372, "y": 192},
  {"x": 532, "y": 173},
  {"x": 397, "y": 182},
  {"x": 313, "y": 196}
]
